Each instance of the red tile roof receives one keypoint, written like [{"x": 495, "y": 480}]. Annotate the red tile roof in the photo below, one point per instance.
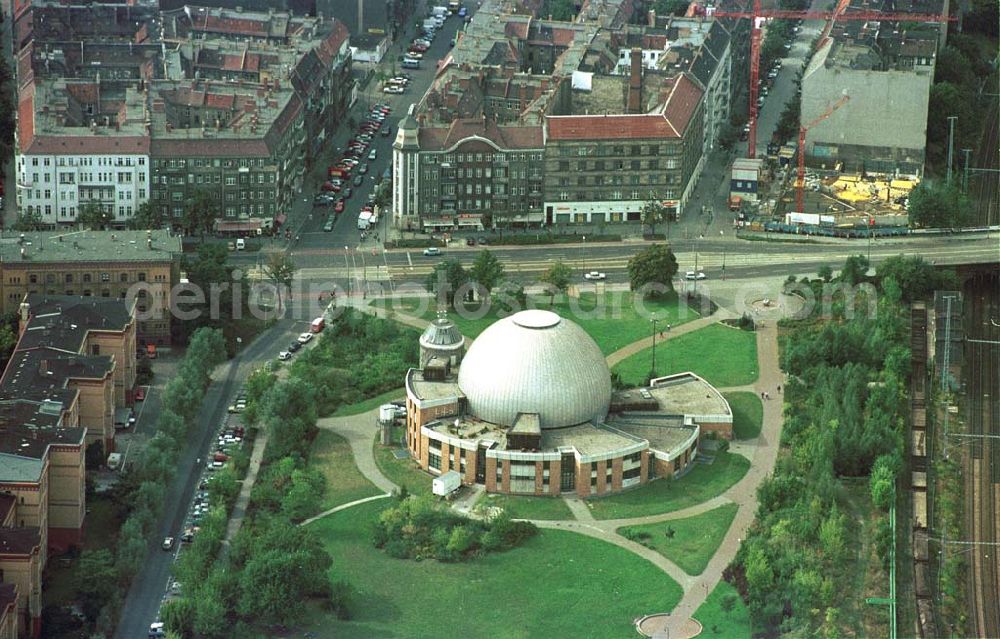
[
  {"x": 681, "y": 104},
  {"x": 505, "y": 137},
  {"x": 234, "y": 26},
  {"x": 517, "y": 29},
  {"x": 26, "y": 117},
  {"x": 89, "y": 144},
  {"x": 220, "y": 101},
  {"x": 330, "y": 46},
  {"x": 609, "y": 127},
  {"x": 209, "y": 147}
]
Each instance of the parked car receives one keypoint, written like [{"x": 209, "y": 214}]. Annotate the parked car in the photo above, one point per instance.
[
  {"x": 359, "y": 180},
  {"x": 692, "y": 275},
  {"x": 372, "y": 155},
  {"x": 284, "y": 356},
  {"x": 595, "y": 276},
  {"x": 140, "y": 394},
  {"x": 362, "y": 169},
  {"x": 470, "y": 241},
  {"x": 305, "y": 337},
  {"x": 393, "y": 90},
  {"x": 328, "y": 227},
  {"x": 339, "y": 206},
  {"x": 386, "y": 132},
  {"x": 348, "y": 192},
  {"x": 432, "y": 251},
  {"x": 294, "y": 346},
  {"x": 168, "y": 543}
]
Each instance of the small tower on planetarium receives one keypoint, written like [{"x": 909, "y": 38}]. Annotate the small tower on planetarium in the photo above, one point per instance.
[{"x": 443, "y": 340}]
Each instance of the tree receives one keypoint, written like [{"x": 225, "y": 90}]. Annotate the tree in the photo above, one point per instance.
[
  {"x": 94, "y": 456},
  {"x": 557, "y": 277},
  {"x": 854, "y": 271},
  {"x": 96, "y": 580},
  {"x": 28, "y": 219},
  {"x": 200, "y": 213},
  {"x": 93, "y": 216},
  {"x": 670, "y": 7},
  {"x": 508, "y": 297},
  {"x": 938, "y": 205},
  {"x": 147, "y": 217},
  {"x": 825, "y": 273},
  {"x": 305, "y": 492},
  {"x": 882, "y": 482},
  {"x": 653, "y": 269},
  {"x": 446, "y": 279},
  {"x": 833, "y": 535},
  {"x": 654, "y": 212},
  {"x": 280, "y": 269},
  {"x": 487, "y": 271},
  {"x": 917, "y": 279}
]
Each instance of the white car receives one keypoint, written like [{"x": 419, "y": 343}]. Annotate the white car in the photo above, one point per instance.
[
  {"x": 305, "y": 337},
  {"x": 432, "y": 251},
  {"x": 168, "y": 543},
  {"x": 284, "y": 356},
  {"x": 372, "y": 155},
  {"x": 691, "y": 275},
  {"x": 594, "y": 275}
]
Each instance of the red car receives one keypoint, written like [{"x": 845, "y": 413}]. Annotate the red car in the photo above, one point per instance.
[
  {"x": 330, "y": 186},
  {"x": 140, "y": 394},
  {"x": 339, "y": 206}
]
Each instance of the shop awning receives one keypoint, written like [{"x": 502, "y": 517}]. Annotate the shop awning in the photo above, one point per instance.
[{"x": 238, "y": 226}]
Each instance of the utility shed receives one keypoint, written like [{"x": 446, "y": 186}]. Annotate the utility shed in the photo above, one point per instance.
[{"x": 746, "y": 177}]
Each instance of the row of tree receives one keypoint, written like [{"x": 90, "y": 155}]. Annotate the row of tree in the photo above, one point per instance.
[
  {"x": 274, "y": 567},
  {"x": 845, "y": 413},
  {"x": 104, "y": 574}
]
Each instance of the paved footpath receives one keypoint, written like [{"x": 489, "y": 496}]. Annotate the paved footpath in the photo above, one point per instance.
[
  {"x": 359, "y": 431},
  {"x": 647, "y": 342}
]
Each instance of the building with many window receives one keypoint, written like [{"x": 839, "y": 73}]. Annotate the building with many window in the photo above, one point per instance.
[
  {"x": 471, "y": 174},
  {"x": 99, "y": 264},
  {"x": 530, "y": 409}
]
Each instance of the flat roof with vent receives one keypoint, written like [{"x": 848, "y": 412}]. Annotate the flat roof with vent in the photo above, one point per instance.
[{"x": 43, "y": 247}]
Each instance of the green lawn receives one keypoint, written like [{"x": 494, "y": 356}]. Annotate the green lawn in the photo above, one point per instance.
[
  {"x": 100, "y": 531},
  {"x": 748, "y": 414},
  {"x": 528, "y": 507},
  {"x": 724, "y": 356},
  {"x": 402, "y": 472},
  {"x": 619, "y": 321},
  {"x": 702, "y": 483},
  {"x": 331, "y": 454},
  {"x": 724, "y": 620},
  {"x": 694, "y": 541},
  {"x": 369, "y": 404},
  {"x": 557, "y": 584}
]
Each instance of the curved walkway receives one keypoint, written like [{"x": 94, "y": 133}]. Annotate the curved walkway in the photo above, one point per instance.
[
  {"x": 762, "y": 453},
  {"x": 350, "y": 504}
]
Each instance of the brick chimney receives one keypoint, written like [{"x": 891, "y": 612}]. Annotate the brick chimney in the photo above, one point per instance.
[{"x": 634, "y": 103}]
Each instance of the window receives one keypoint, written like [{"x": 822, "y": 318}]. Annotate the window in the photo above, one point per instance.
[
  {"x": 105, "y": 277},
  {"x": 95, "y": 349},
  {"x": 434, "y": 459},
  {"x": 142, "y": 277},
  {"x": 33, "y": 279},
  {"x": 86, "y": 278},
  {"x": 123, "y": 277},
  {"x": 50, "y": 278}
]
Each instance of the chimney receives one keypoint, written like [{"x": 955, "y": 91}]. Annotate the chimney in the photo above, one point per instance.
[
  {"x": 43, "y": 367},
  {"x": 23, "y": 316},
  {"x": 651, "y": 18},
  {"x": 634, "y": 102}
]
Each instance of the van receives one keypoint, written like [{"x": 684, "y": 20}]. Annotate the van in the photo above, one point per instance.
[
  {"x": 241, "y": 244},
  {"x": 318, "y": 325},
  {"x": 157, "y": 630},
  {"x": 410, "y": 63}
]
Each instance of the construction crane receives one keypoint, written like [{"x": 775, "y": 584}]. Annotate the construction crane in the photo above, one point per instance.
[
  {"x": 800, "y": 177},
  {"x": 757, "y": 15}
]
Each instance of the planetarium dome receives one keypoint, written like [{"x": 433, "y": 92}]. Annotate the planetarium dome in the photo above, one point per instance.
[{"x": 536, "y": 362}]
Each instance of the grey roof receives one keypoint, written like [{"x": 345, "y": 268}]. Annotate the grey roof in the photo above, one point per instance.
[
  {"x": 63, "y": 321},
  {"x": 16, "y": 468},
  {"x": 536, "y": 362},
  {"x": 441, "y": 333},
  {"x": 88, "y": 246}
]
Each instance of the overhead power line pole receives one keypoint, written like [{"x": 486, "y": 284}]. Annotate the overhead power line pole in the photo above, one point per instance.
[{"x": 951, "y": 142}]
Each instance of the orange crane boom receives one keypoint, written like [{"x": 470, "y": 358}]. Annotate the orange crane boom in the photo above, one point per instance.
[{"x": 800, "y": 177}]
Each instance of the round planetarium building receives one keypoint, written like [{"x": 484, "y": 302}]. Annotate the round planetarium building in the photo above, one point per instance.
[{"x": 530, "y": 409}]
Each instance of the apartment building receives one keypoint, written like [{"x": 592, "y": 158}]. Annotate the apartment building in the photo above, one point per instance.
[
  {"x": 472, "y": 174},
  {"x": 101, "y": 265}
]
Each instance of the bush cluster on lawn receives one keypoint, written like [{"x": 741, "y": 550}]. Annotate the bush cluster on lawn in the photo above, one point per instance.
[
  {"x": 420, "y": 528},
  {"x": 104, "y": 576},
  {"x": 846, "y": 406},
  {"x": 359, "y": 357}
]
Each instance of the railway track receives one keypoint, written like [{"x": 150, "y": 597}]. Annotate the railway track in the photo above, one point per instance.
[
  {"x": 985, "y": 187},
  {"x": 982, "y": 415}
]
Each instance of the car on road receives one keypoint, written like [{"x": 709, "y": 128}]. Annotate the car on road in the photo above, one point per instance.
[
  {"x": 372, "y": 155},
  {"x": 470, "y": 241},
  {"x": 432, "y": 251},
  {"x": 595, "y": 276},
  {"x": 482, "y": 240},
  {"x": 322, "y": 199},
  {"x": 140, "y": 394},
  {"x": 284, "y": 356},
  {"x": 130, "y": 422},
  {"x": 305, "y": 337},
  {"x": 157, "y": 630},
  {"x": 386, "y": 132},
  {"x": 463, "y": 12},
  {"x": 339, "y": 206},
  {"x": 692, "y": 275},
  {"x": 168, "y": 543},
  {"x": 328, "y": 227},
  {"x": 772, "y": 74},
  {"x": 348, "y": 192},
  {"x": 359, "y": 180}
]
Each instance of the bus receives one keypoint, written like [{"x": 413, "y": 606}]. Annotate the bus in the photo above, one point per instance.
[{"x": 454, "y": 6}]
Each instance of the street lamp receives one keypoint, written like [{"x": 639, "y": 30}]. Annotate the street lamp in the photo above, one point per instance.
[
  {"x": 585, "y": 254},
  {"x": 652, "y": 372},
  {"x": 348, "y": 266}
]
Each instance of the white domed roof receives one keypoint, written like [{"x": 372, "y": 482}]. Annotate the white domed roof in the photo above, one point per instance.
[{"x": 536, "y": 362}]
